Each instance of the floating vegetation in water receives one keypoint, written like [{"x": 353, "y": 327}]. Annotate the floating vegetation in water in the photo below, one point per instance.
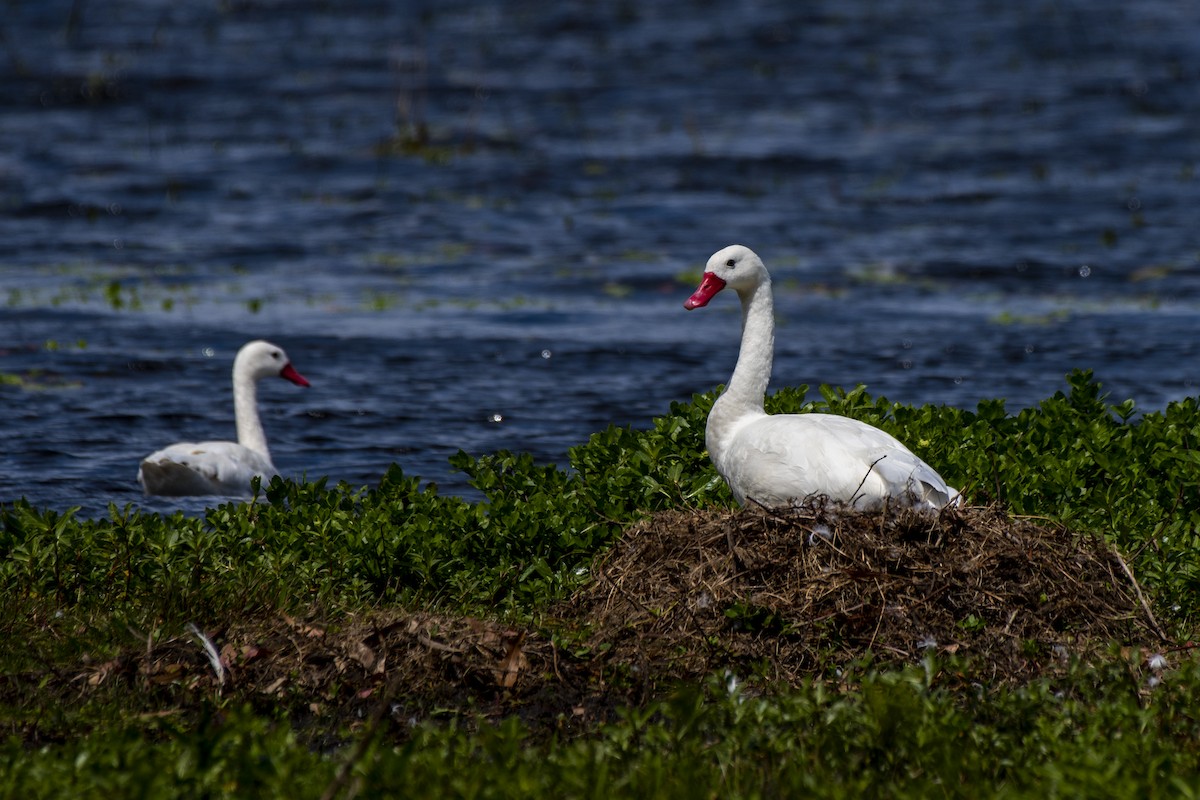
[
  {"x": 389, "y": 260},
  {"x": 454, "y": 250},
  {"x": 380, "y": 301},
  {"x": 168, "y": 289},
  {"x": 880, "y": 273},
  {"x": 408, "y": 145},
  {"x": 121, "y": 297},
  {"x": 1052, "y": 317},
  {"x": 446, "y": 251},
  {"x": 36, "y": 380},
  {"x": 635, "y": 254},
  {"x": 1151, "y": 272}
]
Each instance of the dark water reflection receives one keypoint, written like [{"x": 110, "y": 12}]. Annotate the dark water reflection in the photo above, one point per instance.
[{"x": 452, "y": 211}]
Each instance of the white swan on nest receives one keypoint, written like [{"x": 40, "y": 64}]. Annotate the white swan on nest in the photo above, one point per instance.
[{"x": 777, "y": 460}]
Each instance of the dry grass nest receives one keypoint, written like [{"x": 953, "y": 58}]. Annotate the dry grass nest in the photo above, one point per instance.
[
  {"x": 790, "y": 593},
  {"x": 784, "y": 596}
]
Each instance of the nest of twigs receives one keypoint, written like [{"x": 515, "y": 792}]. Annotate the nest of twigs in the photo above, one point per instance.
[{"x": 787, "y": 593}]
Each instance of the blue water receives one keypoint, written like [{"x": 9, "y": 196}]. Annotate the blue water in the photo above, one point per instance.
[{"x": 473, "y": 225}]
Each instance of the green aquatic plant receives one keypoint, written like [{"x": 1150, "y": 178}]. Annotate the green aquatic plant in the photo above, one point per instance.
[
  {"x": 120, "y": 297},
  {"x": 1055, "y": 316},
  {"x": 380, "y": 301},
  {"x": 616, "y": 289},
  {"x": 53, "y": 345},
  {"x": 36, "y": 380}
]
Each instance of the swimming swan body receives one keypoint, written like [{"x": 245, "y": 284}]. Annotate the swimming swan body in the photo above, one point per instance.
[{"x": 225, "y": 468}]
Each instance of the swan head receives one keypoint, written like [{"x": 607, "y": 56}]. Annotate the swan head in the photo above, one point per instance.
[
  {"x": 261, "y": 359},
  {"x": 736, "y": 266}
]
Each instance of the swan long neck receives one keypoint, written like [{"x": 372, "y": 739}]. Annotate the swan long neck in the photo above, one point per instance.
[
  {"x": 245, "y": 411},
  {"x": 750, "y": 377},
  {"x": 743, "y": 395}
]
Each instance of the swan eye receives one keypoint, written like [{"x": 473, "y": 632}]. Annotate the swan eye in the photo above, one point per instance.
[
  {"x": 730, "y": 263},
  {"x": 275, "y": 354}
]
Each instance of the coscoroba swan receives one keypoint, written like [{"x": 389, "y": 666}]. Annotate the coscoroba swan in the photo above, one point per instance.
[
  {"x": 225, "y": 468},
  {"x": 779, "y": 459}
]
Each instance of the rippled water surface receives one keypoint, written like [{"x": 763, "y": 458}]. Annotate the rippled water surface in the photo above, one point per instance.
[{"x": 472, "y": 225}]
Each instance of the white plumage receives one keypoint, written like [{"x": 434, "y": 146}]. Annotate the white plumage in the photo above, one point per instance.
[
  {"x": 780, "y": 459},
  {"x": 225, "y": 468}
]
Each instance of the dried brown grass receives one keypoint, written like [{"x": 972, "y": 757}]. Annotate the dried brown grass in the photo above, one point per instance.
[{"x": 790, "y": 593}]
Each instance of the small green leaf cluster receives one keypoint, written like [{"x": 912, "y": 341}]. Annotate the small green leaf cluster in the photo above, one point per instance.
[{"x": 623, "y": 470}]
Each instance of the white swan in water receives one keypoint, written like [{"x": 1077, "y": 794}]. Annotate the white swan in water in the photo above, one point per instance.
[
  {"x": 777, "y": 460},
  {"x": 225, "y": 468}
]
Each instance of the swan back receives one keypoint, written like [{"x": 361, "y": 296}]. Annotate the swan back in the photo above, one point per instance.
[
  {"x": 202, "y": 468},
  {"x": 781, "y": 459}
]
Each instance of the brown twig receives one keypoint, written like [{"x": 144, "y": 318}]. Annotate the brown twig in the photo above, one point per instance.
[{"x": 1137, "y": 589}]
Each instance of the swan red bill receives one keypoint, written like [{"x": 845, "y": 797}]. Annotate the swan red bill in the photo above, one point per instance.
[
  {"x": 708, "y": 287},
  {"x": 289, "y": 372}
]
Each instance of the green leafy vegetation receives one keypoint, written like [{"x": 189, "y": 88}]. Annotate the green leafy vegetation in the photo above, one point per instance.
[
  {"x": 83, "y": 714},
  {"x": 896, "y": 735}
]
